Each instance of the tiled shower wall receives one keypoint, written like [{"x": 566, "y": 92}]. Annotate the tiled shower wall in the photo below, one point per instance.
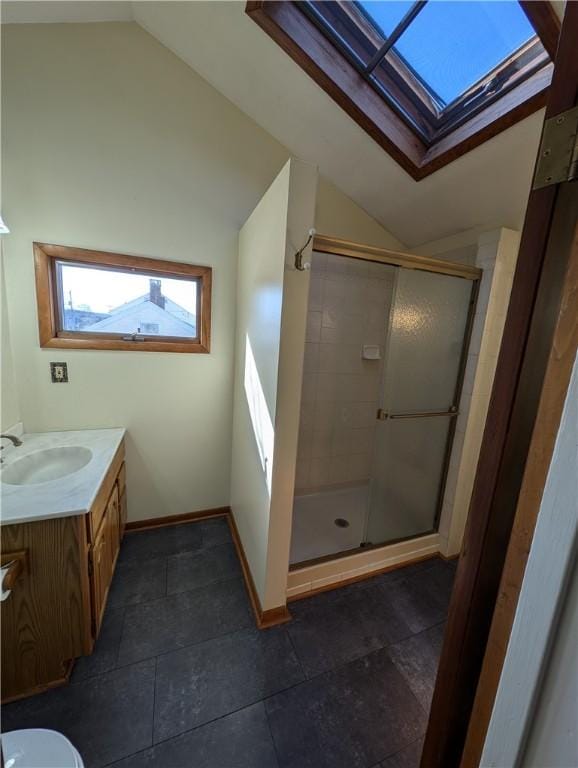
[{"x": 349, "y": 304}]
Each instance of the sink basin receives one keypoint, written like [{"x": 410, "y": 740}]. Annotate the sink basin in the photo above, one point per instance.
[{"x": 46, "y": 465}]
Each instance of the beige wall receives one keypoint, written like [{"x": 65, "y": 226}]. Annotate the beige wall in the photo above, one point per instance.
[
  {"x": 9, "y": 404},
  {"x": 271, "y": 311},
  {"x": 111, "y": 142},
  {"x": 300, "y": 214},
  {"x": 258, "y": 325},
  {"x": 461, "y": 247},
  {"x": 338, "y": 216}
]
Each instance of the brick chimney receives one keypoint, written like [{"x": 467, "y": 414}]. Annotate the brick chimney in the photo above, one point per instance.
[{"x": 155, "y": 295}]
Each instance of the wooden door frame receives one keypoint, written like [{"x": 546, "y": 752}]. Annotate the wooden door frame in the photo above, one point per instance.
[
  {"x": 531, "y": 321},
  {"x": 516, "y": 664}
]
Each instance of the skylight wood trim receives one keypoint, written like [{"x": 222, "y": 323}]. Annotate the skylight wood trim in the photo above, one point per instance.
[
  {"x": 299, "y": 36},
  {"x": 416, "y": 86},
  {"x": 522, "y": 65},
  {"x": 362, "y": 24},
  {"x": 391, "y": 78},
  {"x": 51, "y": 336},
  {"x": 314, "y": 53},
  {"x": 521, "y": 102},
  {"x": 543, "y": 18}
]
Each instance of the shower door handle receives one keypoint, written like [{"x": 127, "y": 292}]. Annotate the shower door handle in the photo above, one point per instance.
[{"x": 383, "y": 415}]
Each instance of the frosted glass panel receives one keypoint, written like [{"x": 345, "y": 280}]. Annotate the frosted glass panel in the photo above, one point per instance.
[
  {"x": 406, "y": 477},
  {"x": 426, "y": 338}
]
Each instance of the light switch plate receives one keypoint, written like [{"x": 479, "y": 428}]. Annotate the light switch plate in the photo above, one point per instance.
[{"x": 59, "y": 373}]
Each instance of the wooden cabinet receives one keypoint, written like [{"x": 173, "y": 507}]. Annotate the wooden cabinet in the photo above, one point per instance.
[
  {"x": 55, "y": 609},
  {"x": 122, "y": 500},
  {"x": 103, "y": 557},
  {"x": 113, "y": 512}
]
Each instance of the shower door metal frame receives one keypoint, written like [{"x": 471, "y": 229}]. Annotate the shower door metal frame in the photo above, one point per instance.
[{"x": 352, "y": 250}]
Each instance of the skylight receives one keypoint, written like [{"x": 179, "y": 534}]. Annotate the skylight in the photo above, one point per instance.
[
  {"x": 425, "y": 56},
  {"x": 452, "y": 45},
  {"x": 413, "y": 73}
]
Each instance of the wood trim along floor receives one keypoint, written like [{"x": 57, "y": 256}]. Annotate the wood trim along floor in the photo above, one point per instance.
[
  {"x": 187, "y": 517},
  {"x": 273, "y": 616},
  {"x": 263, "y": 619}
]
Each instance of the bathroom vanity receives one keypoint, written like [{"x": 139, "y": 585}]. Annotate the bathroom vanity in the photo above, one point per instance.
[{"x": 63, "y": 518}]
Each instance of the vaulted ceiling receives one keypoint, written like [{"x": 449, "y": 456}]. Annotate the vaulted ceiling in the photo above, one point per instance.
[{"x": 486, "y": 187}]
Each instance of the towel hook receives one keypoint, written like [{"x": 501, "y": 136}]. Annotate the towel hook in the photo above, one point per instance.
[{"x": 299, "y": 255}]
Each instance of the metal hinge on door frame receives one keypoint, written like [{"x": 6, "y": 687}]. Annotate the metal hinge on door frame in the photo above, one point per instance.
[{"x": 558, "y": 156}]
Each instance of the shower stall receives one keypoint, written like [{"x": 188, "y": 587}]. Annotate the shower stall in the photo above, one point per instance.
[{"x": 386, "y": 345}]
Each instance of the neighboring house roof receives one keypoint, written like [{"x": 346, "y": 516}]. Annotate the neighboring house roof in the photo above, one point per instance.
[
  {"x": 79, "y": 319},
  {"x": 172, "y": 320}
]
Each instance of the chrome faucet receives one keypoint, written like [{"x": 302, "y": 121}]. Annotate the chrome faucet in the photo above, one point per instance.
[{"x": 14, "y": 440}]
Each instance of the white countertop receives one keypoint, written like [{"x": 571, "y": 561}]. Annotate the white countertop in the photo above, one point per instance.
[{"x": 65, "y": 496}]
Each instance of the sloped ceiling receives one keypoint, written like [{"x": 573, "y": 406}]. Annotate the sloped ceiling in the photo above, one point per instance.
[
  {"x": 64, "y": 11},
  {"x": 487, "y": 187}
]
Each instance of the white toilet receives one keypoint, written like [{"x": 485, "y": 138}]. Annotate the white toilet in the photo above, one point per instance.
[{"x": 39, "y": 748}]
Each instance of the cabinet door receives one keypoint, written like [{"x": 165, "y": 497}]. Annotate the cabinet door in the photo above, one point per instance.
[
  {"x": 113, "y": 523},
  {"x": 122, "y": 499},
  {"x": 104, "y": 554},
  {"x": 42, "y": 619},
  {"x": 122, "y": 513},
  {"x": 102, "y": 565}
]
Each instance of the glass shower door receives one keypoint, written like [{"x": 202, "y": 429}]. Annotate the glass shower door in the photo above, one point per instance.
[{"x": 419, "y": 398}]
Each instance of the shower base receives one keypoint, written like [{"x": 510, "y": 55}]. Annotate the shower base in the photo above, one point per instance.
[{"x": 315, "y": 530}]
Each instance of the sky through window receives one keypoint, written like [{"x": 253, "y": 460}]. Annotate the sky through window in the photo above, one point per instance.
[{"x": 452, "y": 45}]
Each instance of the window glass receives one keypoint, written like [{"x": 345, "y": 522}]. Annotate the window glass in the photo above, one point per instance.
[
  {"x": 348, "y": 27},
  {"x": 110, "y": 301},
  {"x": 452, "y": 45},
  {"x": 386, "y": 15}
]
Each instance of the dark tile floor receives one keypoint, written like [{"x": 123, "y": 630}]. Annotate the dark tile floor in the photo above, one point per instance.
[{"x": 180, "y": 677}]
